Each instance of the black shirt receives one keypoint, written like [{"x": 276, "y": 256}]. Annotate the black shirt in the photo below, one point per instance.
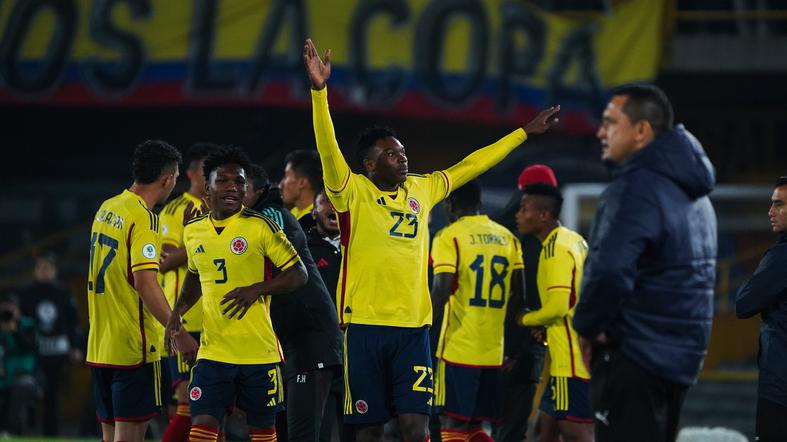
[
  {"x": 305, "y": 320},
  {"x": 53, "y": 309},
  {"x": 328, "y": 258}
]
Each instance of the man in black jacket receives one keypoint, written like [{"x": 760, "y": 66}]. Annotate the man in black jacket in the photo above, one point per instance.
[
  {"x": 305, "y": 322},
  {"x": 647, "y": 291},
  {"x": 57, "y": 331},
  {"x": 766, "y": 293}
]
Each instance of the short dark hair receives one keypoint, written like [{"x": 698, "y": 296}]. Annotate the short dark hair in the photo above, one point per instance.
[
  {"x": 199, "y": 151},
  {"x": 781, "y": 181},
  {"x": 48, "y": 256},
  {"x": 368, "y": 138},
  {"x": 306, "y": 163},
  {"x": 258, "y": 177},
  {"x": 550, "y": 195},
  {"x": 226, "y": 155},
  {"x": 647, "y": 102},
  {"x": 151, "y": 159},
  {"x": 467, "y": 197}
]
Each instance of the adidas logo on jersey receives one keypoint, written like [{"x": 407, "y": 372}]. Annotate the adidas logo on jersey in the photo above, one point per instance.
[
  {"x": 322, "y": 262},
  {"x": 272, "y": 402},
  {"x": 381, "y": 201},
  {"x": 200, "y": 249}
]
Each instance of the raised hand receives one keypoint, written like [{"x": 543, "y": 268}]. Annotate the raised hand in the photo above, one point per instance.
[
  {"x": 543, "y": 121},
  {"x": 318, "y": 71}
]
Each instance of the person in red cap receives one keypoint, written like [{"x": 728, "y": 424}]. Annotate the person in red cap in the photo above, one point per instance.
[
  {"x": 524, "y": 357},
  {"x": 537, "y": 173}
]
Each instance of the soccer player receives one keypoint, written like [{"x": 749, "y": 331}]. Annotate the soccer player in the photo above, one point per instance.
[
  {"x": 173, "y": 267},
  {"x": 312, "y": 343},
  {"x": 239, "y": 354},
  {"x": 565, "y": 405},
  {"x": 301, "y": 182},
  {"x": 124, "y": 297},
  {"x": 477, "y": 264},
  {"x": 383, "y": 298},
  {"x": 524, "y": 356}
]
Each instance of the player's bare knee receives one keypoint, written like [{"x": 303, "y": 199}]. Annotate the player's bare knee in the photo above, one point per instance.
[
  {"x": 414, "y": 427},
  {"x": 206, "y": 420}
]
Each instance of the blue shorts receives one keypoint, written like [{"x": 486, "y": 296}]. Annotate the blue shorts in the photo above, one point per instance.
[
  {"x": 468, "y": 393},
  {"x": 167, "y": 393},
  {"x": 127, "y": 394},
  {"x": 387, "y": 371},
  {"x": 256, "y": 389},
  {"x": 180, "y": 370},
  {"x": 567, "y": 398}
]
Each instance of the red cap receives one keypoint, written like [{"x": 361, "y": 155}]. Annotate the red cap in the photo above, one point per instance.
[{"x": 537, "y": 173}]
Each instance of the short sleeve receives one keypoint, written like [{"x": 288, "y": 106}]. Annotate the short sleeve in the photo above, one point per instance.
[
  {"x": 172, "y": 228},
  {"x": 189, "y": 253},
  {"x": 516, "y": 254},
  {"x": 444, "y": 253},
  {"x": 276, "y": 247},
  {"x": 558, "y": 269},
  {"x": 145, "y": 244}
]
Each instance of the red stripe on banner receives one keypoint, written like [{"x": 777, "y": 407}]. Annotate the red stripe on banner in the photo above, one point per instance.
[{"x": 279, "y": 94}]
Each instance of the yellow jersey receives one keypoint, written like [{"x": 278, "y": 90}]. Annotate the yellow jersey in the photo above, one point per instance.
[
  {"x": 384, "y": 235},
  {"x": 482, "y": 256},
  {"x": 124, "y": 239},
  {"x": 232, "y": 253},
  {"x": 171, "y": 216},
  {"x": 300, "y": 213},
  {"x": 560, "y": 267}
]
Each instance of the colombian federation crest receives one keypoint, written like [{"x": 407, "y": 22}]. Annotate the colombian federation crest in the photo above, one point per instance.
[
  {"x": 195, "y": 393},
  {"x": 415, "y": 206},
  {"x": 361, "y": 406},
  {"x": 238, "y": 245}
]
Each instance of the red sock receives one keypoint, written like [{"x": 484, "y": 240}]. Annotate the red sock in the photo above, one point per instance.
[
  {"x": 448, "y": 435},
  {"x": 479, "y": 435},
  {"x": 264, "y": 435},
  {"x": 203, "y": 433},
  {"x": 179, "y": 425}
]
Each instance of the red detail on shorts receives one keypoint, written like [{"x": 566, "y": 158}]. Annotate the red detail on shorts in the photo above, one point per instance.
[
  {"x": 136, "y": 418},
  {"x": 579, "y": 420}
]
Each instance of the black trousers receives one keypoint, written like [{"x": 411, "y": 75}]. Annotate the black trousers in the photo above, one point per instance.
[
  {"x": 771, "y": 423},
  {"x": 630, "y": 403},
  {"x": 517, "y": 406},
  {"x": 307, "y": 394},
  {"x": 52, "y": 370}
]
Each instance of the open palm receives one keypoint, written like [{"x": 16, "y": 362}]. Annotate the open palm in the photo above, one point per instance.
[{"x": 318, "y": 71}]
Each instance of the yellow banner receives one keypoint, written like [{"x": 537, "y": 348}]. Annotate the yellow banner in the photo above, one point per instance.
[{"x": 451, "y": 57}]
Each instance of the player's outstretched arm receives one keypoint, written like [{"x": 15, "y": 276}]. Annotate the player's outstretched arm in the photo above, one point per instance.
[
  {"x": 336, "y": 172},
  {"x": 146, "y": 284},
  {"x": 485, "y": 158},
  {"x": 238, "y": 300}
]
